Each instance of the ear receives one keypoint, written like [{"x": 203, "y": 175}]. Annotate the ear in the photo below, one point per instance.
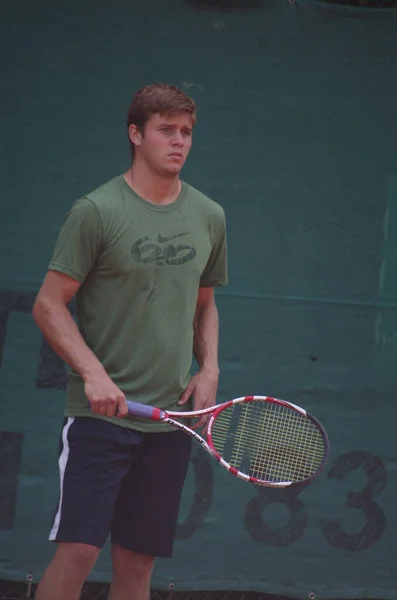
[{"x": 135, "y": 135}]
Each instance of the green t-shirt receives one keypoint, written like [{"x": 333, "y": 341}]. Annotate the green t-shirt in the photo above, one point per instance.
[{"x": 140, "y": 266}]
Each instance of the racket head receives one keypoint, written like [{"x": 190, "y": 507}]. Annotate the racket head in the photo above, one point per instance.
[{"x": 267, "y": 441}]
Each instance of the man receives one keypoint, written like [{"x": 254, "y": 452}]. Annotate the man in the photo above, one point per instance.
[{"x": 142, "y": 254}]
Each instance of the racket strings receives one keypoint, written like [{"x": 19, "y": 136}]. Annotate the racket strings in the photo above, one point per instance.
[
  {"x": 268, "y": 441},
  {"x": 289, "y": 435}
]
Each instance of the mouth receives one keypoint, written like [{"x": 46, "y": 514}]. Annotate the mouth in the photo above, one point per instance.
[{"x": 177, "y": 155}]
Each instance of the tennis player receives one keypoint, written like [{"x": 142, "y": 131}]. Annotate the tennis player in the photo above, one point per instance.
[{"x": 141, "y": 254}]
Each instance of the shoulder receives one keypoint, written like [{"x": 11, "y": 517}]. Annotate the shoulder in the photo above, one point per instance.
[
  {"x": 205, "y": 205},
  {"x": 98, "y": 203},
  {"x": 107, "y": 195}
]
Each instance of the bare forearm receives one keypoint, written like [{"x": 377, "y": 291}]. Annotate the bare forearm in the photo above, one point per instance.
[
  {"x": 206, "y": 335},
  {"x": 61, "y": 332}
]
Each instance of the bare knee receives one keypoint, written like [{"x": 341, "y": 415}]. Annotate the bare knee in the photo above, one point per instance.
[
  {"x": 65, "y": 575},
  {"x": 76, "y": 558},
  {"x": 130, "y": 564}
]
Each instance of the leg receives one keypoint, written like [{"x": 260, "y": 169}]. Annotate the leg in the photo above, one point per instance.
[
  {"x": 67, "y": 572},
  {"x": 131, "y": 574},
  {"x": 146, "y": 512},
  {"x": 94, "y": 458}
]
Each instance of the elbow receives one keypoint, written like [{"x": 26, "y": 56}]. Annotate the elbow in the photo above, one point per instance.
[
  {"x": 40, "y": 310},
  {"x": 37, "y": 310}
]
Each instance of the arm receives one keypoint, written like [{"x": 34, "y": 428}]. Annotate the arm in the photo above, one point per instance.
[
  {"x": 58, "y": 327},
  {"x": 206, "y": 332},
  {"x": 203, "y": 386}
]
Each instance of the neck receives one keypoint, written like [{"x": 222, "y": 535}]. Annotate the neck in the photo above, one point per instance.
[{"x": 152, "y": 186}]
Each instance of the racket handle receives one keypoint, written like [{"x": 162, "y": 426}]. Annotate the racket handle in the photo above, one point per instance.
[{"x": 144, "y": 411}]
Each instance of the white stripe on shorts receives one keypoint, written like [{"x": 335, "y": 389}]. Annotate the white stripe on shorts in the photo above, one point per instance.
[{"x": 62, "y": 462}]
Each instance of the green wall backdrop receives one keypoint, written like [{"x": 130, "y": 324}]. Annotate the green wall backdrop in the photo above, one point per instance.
[{"x": 297, "y": 139}]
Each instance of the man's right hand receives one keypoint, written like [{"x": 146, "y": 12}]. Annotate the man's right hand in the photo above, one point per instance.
[{"x": 105, "y": 398}]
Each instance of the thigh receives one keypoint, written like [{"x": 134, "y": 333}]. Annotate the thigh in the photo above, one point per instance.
[
  {"x": 95, "y": 456},
  {"x": 146, "y": 512}
]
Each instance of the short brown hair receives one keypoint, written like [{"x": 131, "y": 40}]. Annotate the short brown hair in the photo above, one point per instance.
[{"x": 158, "y": 98}]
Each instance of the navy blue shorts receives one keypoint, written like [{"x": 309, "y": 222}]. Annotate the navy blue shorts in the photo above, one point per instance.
[{"x": 120, "y": 481}]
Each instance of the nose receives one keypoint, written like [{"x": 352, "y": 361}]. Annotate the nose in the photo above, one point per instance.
[{"x": 178, "y": 139}]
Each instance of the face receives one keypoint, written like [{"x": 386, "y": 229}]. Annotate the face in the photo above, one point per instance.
[{"x": 165, "y": 143}]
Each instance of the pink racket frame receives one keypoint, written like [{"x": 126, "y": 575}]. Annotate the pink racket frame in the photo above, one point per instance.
[{"x": 157, "y": 414}]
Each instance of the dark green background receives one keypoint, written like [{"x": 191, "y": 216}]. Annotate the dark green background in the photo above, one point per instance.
[{"x": 297, "y": 139}]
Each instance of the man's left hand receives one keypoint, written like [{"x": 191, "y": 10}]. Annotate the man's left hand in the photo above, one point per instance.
[{"x": 203, "y": 387}]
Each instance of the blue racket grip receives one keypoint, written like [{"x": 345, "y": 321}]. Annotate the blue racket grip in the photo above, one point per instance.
[{"x": 145, "y": 412}]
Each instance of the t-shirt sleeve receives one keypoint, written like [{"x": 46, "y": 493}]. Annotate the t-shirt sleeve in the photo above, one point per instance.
[
  {"x": 79, "y": 241},
  {"x": 215, "y": 273}
]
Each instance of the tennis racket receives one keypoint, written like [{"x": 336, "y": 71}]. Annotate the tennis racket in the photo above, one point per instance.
[{"x": 259, "y": 439}]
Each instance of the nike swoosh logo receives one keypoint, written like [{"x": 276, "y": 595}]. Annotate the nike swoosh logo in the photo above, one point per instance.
[{"x": 162, "y": 239}]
